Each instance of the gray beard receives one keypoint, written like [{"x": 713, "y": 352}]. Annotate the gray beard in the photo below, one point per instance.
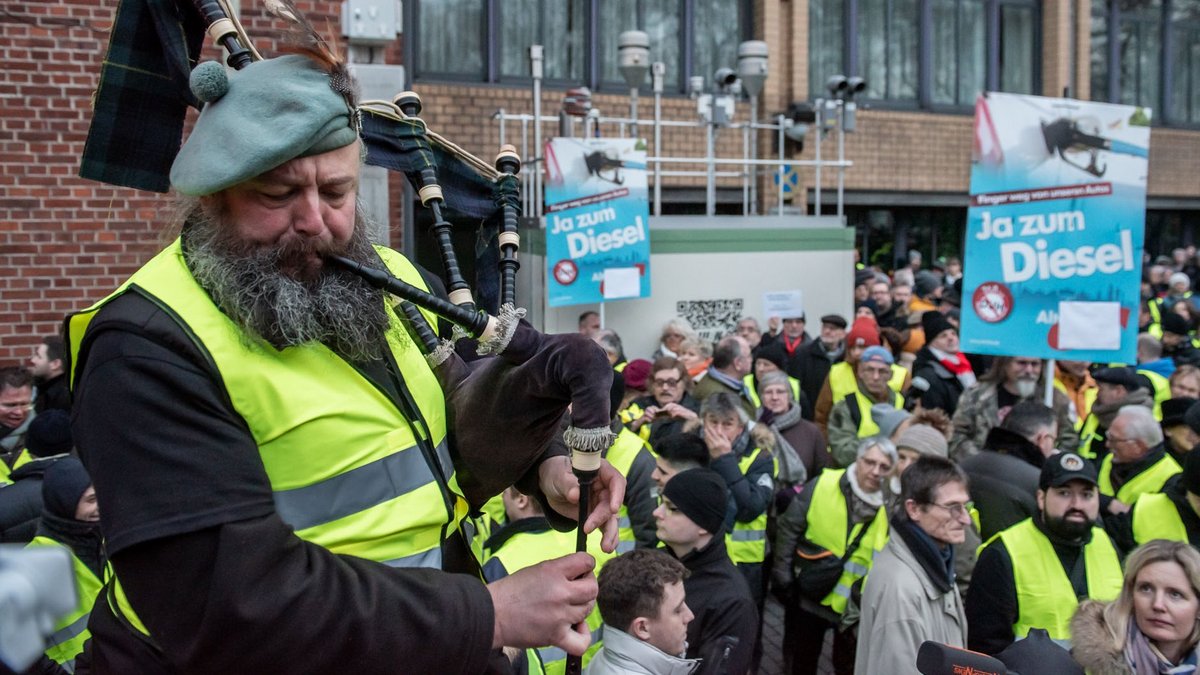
[{"x": 251, "y": 287}]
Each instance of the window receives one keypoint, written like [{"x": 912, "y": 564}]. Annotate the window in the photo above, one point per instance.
[
  {"x": 936, "y": 53},
  {"x": 488, "y": 40},
  {"x": 1147, "y": 53}
]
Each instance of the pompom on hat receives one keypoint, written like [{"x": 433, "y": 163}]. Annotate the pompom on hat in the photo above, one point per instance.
[{"x": 255, "y": 119}]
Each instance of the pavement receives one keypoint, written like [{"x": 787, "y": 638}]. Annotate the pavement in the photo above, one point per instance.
[{"x": 772, "y": 658}]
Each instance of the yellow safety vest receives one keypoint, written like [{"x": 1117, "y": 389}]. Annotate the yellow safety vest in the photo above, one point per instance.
[
  {"x": 621, "y": 455},
  {"x": 1148, "y": 481},
  {"x": 747, "y": 543},
  {"x": 830, "y": 529},
  {"x": 866, "y": 424},
  {"x": 526, "y": 549},
  {"x": 748, "y": 380},
  {"x": 5, "y": 472},
  {"x": 1155, "y": 326},
  {"x": 1155, "y": 517},
  {"x": 1045, "y": 597},
  {"x": 396, "y": 494},
  {"x": 1089, "y": 398},
  {"x": 70, "y": 632},
  {"x": 1162, "y": 390},
  {"x": 1088, "y": 435},
  {"x": 24, "y": 457},
  {"x": 479, "y": 528},
  {"x": 843, "y": 381}
]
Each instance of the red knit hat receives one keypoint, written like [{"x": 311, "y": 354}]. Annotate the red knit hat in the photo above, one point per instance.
[{"x": 864, "y": 333}]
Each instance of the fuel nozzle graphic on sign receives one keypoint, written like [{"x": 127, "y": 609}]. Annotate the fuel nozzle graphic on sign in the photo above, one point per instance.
[
  {"x": 1081, "y": 149},
  {"x": 599, "y": 162}
]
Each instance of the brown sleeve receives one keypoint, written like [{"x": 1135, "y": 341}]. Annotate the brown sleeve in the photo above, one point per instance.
[{"x": 824, "y": 405}]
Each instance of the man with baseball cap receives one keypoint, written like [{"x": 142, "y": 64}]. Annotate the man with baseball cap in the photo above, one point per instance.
[
  {"x": 850, "y": 419},
  {"x": 1038, "y": 569},
  {"x": 692, "y": 519}
]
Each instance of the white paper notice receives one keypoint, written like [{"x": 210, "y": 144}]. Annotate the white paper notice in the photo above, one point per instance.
[
  {"x": 622, "y": 282},
  {"x": 783, "y": 304},
  {"x": 1089, "y": 325}
]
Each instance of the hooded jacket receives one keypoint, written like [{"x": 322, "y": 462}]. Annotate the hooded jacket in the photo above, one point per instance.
[
  {"x": 623, "y": 654},
  {"x": 1004, "y": 480},
  {"x": 21, "y": 502}
]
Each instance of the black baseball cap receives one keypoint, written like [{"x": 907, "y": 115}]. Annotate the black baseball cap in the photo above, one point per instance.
[{"x": 1065, "y": 467}]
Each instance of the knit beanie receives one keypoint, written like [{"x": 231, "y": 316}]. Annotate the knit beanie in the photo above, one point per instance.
[
  {"x": 925, "y": 440},
  {"x": 773, "y": 352},
  {"x": 701, "y": 495},
  {"x": 1192, "y": 417},
  {"x": 1180, "y": 278},
  {"x": 63, "y": 484},
  {"x": 635, "y": 374},
  {"x": 864, "y": 333},
  {"x": 1173, "y": 323},
  {"x": 49, "y": 434},
  {"x": 888, "y": 417},
  {"x": 933, "y": 323}
]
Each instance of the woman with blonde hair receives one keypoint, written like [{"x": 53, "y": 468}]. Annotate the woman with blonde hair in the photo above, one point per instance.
[
  {"x": 674, "y": 332},
  {"x": 1154, "y": 625}
]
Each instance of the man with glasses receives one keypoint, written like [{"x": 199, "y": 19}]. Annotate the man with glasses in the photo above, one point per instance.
[
  {"x": 984, "y": 405},
  {"x": 1138, "y": 462},
  {"x": 669, "y": 405},
  {"x": 1118, "y": 387},
  {"x": 910, "y": 595},
  {"x": 850, "y": 419},
  {"x": 16, "y": 406},
  {"x": 1038, "y": 569},
  {"x": 749, "y": 330},
  {"x": 692, "y": 520}
]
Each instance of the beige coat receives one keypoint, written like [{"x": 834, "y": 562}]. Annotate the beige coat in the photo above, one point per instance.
[{"x": 901, "y": 608}]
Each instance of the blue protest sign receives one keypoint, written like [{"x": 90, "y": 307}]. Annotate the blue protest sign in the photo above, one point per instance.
[
  {"x": 597, "y": 212},
  {"x": 1052, "y": 267}
]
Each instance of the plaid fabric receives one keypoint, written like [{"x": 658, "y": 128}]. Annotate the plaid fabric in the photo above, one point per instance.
[
  {"x": 142, "y": 98},
  {"x": 472, "y": 201}
]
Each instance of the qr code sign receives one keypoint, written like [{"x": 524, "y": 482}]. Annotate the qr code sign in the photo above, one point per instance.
[{"x": 712, "y": 319}]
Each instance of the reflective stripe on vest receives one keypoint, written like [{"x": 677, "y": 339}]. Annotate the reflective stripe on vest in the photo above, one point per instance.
[
  {"x": 389, "y": 493},
  {"x": 747, "y": 543},
  {"x": 1045, "y": 597},
  {"x": 858, "y": 565},
  {"x": 1155, "y": 517},
  {"x": 70, "y": 631},
  {"x": 748, "y": 380},
  {"x": 526, "y": 549},
  {"x": 1088, "y": 435},
  {"x": 621, "y": 455},
  {"x": 1148, "y": 481}
]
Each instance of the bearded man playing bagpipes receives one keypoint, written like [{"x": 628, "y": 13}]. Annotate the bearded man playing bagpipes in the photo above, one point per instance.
[{"x": 284, "y": 471}]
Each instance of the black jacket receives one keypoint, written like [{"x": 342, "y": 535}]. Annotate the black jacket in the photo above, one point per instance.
[
  {"x": 811, "y": 366},
  {"x": 933, "y": 384},
  {"x": 717, "y": 593},
  {"x": 53, "y": 394},
  {"x": 21, "y": 502},
  {"x": 1004, "y": 480}
]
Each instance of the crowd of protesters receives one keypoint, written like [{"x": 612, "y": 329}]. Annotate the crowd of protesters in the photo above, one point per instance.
[{"x": 858, "y": 467}]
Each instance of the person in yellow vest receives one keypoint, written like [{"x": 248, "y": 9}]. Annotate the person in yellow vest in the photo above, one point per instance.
[
  {"x": 692, "y": 520},
  {"x": 1073, "y": 379},
  {"x": 526, "y": 539},
  {"x": 71, "y": 520},
  {"x": 769, "y": 358},
  {"x": 1178, "y": 434},
  {"x": 1037, "y": 570},
  {"x": 1173, "y": 514},
  {"x": 749, "y": 472},
  {"x": 850, "y": 420},
  {"x": 630, "y": 456},
  {"x": 644, "y": 605},
  {"x": 669, "y": 406},
  {"x": 269, "y": 446},
  {"x": 16, "y": 410},
  {"x": 1185, "y": 382},
  {"x": 48, "y": 441},
  {"x": 1117, "y": 388},
  {"x": 1138, "y": 463},
  {"x": 841, "y": 381},
  {"x": 824, "y": 543}
]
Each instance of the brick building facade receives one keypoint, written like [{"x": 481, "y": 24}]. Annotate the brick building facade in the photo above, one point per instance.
[{"x": 66, "y": 242}]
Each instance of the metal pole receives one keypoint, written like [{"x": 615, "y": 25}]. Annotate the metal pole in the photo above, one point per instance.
[
  {"x": 535, "y": 60},
  {"x": 633, "y": 109},
  {"x": 710, "y": 192},
  {"x": 745, "y": 171},
  {"x": 841, "y": 154},
  {"x": 657, "y": 72},
  {"x": 780, "y": 171},
  {"x": 1048, "y": 374},
  {"x": 820, "y": 115},
  {"x": 754, "y": 155}
]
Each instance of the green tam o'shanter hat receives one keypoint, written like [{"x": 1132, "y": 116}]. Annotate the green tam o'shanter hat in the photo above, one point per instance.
[{"x": 257, "y": 118}]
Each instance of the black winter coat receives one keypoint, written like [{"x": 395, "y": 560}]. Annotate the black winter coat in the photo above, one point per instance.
[
  {"x": 1004, "y": 480},
  {"x": 933, "y": 384},
  {"x": 719, "y": 596}
]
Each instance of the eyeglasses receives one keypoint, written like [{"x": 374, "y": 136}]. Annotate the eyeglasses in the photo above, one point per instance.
[
  {"x": 667, "y": 383},
  {"x": 1117, "y": 441},
  {"x": 955, "y": 510}
]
